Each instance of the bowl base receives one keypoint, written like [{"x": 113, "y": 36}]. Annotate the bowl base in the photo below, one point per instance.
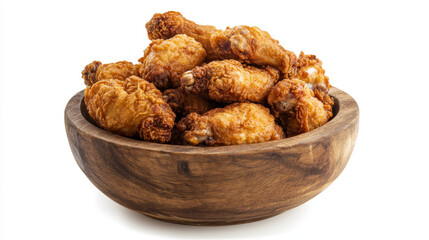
[{"x": 209, "y": 223}]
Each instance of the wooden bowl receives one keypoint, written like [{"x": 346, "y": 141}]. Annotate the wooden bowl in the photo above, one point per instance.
[{"x": 213, "y": 185}]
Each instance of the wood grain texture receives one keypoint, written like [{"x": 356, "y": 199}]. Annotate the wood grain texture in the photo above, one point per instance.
[{"x": 213, "y": 185}]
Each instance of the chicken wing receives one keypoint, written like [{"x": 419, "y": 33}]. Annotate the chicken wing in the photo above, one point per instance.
[
  {"x": 97, "y": 71},
  {"x": 238, "y": 123},
  {"x": 254, "y": 46},
  {"x": 165, "y": 61},
  {"x": 310, "y": 71},
  {"x": 298, "y": 110},
  {"x": 230, "y": 81},
  {"x": 170, "y": 24},
  {"x": 183, "y": 103},
  {"x": 132, "y": 108}
]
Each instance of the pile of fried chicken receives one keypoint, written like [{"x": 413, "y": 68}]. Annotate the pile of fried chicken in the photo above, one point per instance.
[{"x": 198, "y": 85}]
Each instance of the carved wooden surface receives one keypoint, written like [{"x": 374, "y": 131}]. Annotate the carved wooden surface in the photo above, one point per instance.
[{"x": 213, "y": 185}]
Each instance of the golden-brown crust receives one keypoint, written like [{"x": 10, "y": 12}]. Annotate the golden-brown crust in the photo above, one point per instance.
[
  {"x": 253, "y": 62},
  {"x": 165, "y": 61},
  {"x": 89, "y": 73},
  {"x": 170, "y": 24},
  {"x": 183, "y": 103},
  {"x": 132, "y": 108},
  {"x": 230, "y": 81},
  {"x": 298, "y": 110},
  {"x": 310, "y": 71},
  {"x": 97, "y": 71},
  {"x": 254, "y": 46},
  {"x": 322, "y": 94},
  {"x": 238, "y": 123}
]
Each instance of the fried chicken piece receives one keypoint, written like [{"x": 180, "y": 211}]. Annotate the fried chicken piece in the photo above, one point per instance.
[
  {"x": 310, "y": 71},
  {"x": 170, "y": 24},
  {"x": 254, "y": 46},
  {"x": 132, "y": 108},
  {"x": 298, "y": 110},
  {"x": 238, "y": 123},
  {"x": 97, "y": 71},
  {"x": 243, "y": 43},
  {"x": 165, "y": 61},
  {"x": 183, "y": 103},
  {"x": 230, "y": 81}
]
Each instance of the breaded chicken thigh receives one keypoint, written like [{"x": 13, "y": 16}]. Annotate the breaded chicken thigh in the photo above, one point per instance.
[
  {"x": 254, "y": 46},
  {"x": 238, "y": 123},
  {"x": 298, "y": 110},
  {"x": 165, "y": 61},
  {"x": 97, "y": 71},
  {"x": 183, "y": 103},
  {"x": 311, "y": 72},
  {"x": 132, "y": 108},
  {"x": 230, "y": 81},
  {"x": 170, "y": 24}
]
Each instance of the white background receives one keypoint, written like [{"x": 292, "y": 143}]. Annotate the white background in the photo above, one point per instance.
[{"x": 377, "y": 51}]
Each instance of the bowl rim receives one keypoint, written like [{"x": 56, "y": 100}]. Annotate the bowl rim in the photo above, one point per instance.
[{"x": 348, "y": 110}]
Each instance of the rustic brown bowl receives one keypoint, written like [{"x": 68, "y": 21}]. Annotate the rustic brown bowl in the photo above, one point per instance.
[{"x": 213, "y": 185}]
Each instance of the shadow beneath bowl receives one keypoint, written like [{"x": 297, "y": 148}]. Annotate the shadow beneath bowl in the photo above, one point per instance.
[{"x": 136, "y": 221}]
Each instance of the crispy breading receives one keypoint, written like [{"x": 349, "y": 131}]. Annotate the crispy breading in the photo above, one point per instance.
[
  {"x": 230, "y": 81},
  {"x": 246, "y": 44},
  {"x": 170, "y": 24},
  {"x": 183, "y": 103},
  {"x": 298, "y": 110},
  {"x": 97, "y": 71},
  {"x": 165, "y": 61},
  {"x": 310, "y": 71},
  {"x": 238, "y": 123},
  {"x": 132, "y": 108},
  {"x": 200, "y": 69},
  {"x": 254, "y": 46}
]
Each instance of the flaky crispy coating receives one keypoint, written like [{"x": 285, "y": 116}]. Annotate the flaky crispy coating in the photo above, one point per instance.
[
  {"x": 183, "y": 103},
  {"x": 254, "y": 46},
  {"x": 230, "y": 81},
  {"x": 298, "y": 110},
  {"x": 166, "y": 60},
  {"x": 238, "y": 123},
  {"x": 310, "y": 71},
  {"x": 170, "y": 24},
  {"x": 97, "y": 71},
  {"x": 132, "y": 108}
]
